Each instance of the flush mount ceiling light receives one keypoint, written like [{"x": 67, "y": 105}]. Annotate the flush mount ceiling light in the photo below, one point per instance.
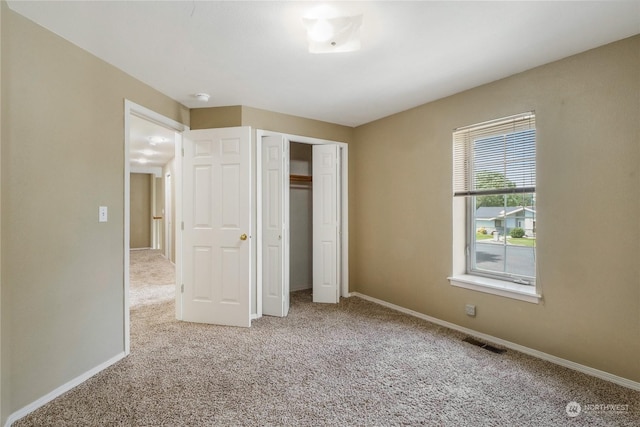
[
  {"x": 202, "y": 97},
  {"x": 142, "y": 161},
  {"x": 329, "y": 32},
  {"x": 154, "y": 140}
]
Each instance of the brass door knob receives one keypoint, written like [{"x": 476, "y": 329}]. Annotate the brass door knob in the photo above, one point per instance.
[{"x": 243, "y": 237}]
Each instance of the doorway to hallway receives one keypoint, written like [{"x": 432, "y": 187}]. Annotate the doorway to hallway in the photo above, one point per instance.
[
  {"x": 152, "y": 278},
  {"x": 150, "y": 142}
]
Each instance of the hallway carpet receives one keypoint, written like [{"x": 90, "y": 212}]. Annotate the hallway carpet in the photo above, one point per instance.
[
  {"x": 350, "y": 364},
  {"x": 151, "y": 278}
]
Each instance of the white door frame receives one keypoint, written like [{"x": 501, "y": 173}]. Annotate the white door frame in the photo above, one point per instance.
[
  {"x": 344, "y": 153},
  {"x": 131, "y": 108},
  {"x": 168, "y": 214}
]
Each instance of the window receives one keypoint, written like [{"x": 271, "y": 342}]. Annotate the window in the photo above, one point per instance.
[{"x": 495, "y": 173}]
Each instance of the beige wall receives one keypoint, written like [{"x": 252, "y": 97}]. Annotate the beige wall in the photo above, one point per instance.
[
  {"x": 587, "y": 114},
  {"x": 62, "y": 157},
  {"x": 140, "y": 210},
  {"x": 216, "y": 117},
  {"x": 219, "y": 117},
  {"x": 285, "y": 123}
]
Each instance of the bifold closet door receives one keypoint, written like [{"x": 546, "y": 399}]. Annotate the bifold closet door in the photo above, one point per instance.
[
  {"x": 326, "y": 223},
  {"x": 275, "y": 265}
]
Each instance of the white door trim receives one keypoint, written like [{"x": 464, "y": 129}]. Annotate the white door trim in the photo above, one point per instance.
[
  {"x": 131, "y": 108},
  {"x": 344, "y": 153},
  {"x": 168, "y": 214}
]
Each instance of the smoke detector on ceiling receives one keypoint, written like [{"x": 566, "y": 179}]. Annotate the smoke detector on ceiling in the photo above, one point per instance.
[{"x": 202, "y": 97}]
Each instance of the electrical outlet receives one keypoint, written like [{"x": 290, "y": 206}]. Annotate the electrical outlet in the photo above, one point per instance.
[{"x": 470, "y": 309}]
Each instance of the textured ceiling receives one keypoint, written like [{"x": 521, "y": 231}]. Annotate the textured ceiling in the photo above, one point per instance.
[{"x": 255, "y": 53}]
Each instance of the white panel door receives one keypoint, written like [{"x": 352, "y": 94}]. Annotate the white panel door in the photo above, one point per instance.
[
  {"x": 326, "y": 223},
  {"x": 275, "y": 265},
  {"x": 216, "y": 214}
]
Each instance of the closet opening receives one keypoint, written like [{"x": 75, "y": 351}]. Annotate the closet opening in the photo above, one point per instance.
[
  {"x": 302, "y": 222},
  {"x": 300, "y": 217}
]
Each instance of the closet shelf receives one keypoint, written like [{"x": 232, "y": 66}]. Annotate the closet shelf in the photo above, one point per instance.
[{"x": 300, "y": 178}]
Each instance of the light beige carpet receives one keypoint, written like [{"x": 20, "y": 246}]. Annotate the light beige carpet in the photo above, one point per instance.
[
  {"x": 350, "y": 364},
  {"x": 151, "y": 278}
]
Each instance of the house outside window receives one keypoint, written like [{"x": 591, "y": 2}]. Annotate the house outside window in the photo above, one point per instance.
[{"x": 495, "y": 173}]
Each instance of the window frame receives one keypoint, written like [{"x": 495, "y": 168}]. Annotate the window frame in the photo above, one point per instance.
[{"x": 463, "y": 274}]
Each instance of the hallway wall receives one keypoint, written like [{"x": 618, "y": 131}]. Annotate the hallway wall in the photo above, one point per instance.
[{"x": 140, "y": 210}]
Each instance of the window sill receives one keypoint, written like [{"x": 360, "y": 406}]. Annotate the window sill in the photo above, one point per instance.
[{"x": 496, "y": 287}]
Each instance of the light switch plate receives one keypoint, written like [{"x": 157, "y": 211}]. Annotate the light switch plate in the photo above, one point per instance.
[{"x": 102, "y": 214}]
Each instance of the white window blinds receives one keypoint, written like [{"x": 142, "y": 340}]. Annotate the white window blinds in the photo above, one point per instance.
[{"x": 497, "y": 157}]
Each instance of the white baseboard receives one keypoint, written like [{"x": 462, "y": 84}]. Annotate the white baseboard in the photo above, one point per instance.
[
  {"x": 522, "y": 349},
  {"x": 61, "y": 390}
]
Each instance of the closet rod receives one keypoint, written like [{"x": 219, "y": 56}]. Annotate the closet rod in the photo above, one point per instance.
[{"x": 300, "y": 178}]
